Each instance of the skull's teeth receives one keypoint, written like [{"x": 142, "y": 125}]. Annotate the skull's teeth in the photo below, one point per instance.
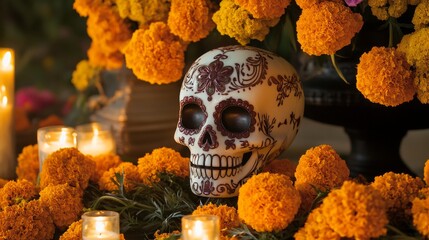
[{"x": 214, "y": 166}]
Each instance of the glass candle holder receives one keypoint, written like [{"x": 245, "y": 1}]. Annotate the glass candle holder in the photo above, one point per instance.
[
  {"x": 52, "y": 138},
  {"x": 95, "y": 139},
  {"x": 100, "y": 225},
  {"x": 200, "y": 227}
]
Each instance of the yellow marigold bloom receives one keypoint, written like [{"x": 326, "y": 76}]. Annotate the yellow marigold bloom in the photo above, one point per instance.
[
  {"x": 327, "y": 27},
  {"x": 413, "y": 2},
  {"x": 131, "y": 177},
  {"x": 108, "y": 30},
  {"x": 144, "y": 11},
  {"x": 420, "y": 212},
  {"x": 26, "y": 221},
  {"x": 383, "y": 9},
  {"x": 64, "y": 203},
  {"x": 164, "y": 236},
  {"x": 398, "y": 190},
  {"x": 421, "y": 15},
  {"x": 103, "y": 163},
  {"x": 162, "y": 160},
  {"x": 228, "y": 215},
  {"x": 416, "y": 49},
  {"x": 282, "y": 166},
  {"x": 316, "y": 227},
  {"x": 355, "y": 211},
  {"x": 86, "y": 7},
  {"x": 99, "y": 58},
  {"x": 66, "y": 165},
  {"x": 155, "y": 55},
  {"x": 190, "y": 20},
  {"x": 74, "y": 231},
  {"x": 85, "y": 75},
  {"x": 384, "y": 77},
  {"x": 319, "y": 167},
  {"x": 28, "y": 163},
  {"x": 238, "y": 23},
  {"x": 264, "y": 9},
  {"x": 268, "y": 202},
  {"x": 421, "y": 81},
  {"x": 426, "y": 172},
  {"x": 14, "y": 192}
]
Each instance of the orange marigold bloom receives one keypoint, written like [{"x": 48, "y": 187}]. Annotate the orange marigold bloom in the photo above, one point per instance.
[
  {"x": 164, "y": 236},
  {"x": 228, "y": 215},
  {"x": 416, "y": 49},
  {"x": 264, "y": 9},
  {"x": 190, "y": 20},
  {"x": 162, "y": 160},
  {"x": 319, "y": 167},
  {"x": 74, "y": 231},
  {"x": 420, "y": 212},
  {"x": 238, "y": 23},
  {"x": 131, "y": 177},
  {"x": 384, "y": 77},
  {"x": 28, "y": 163},
  {"x": 268, "y": 202},
  {"x": 99, "y": 58},
  {"x": 103, "y": 163},
  {"x": 356, "y": 211},
  {"x": 86, "y": 7},
  {"x": 308, "y": 3},
  {"x": 66, "y": 165},
  {"x": 144, "y": 11},
  {"x": 327, "y": 27},
  {"x": 316, "y": 227},
  {"x": 3, "y": 182},
  {"x": 50, "y": 120},
  {"x": 28, "y": 220},
  {"x": 15, "y": 192},
  {"x": 282, "y": 166},
  {"x": 426, "y": 172},
  {"x": 64, "y": 203},
  {"x": 421, "y": 81},
  {"x": 398, "y": 190}
]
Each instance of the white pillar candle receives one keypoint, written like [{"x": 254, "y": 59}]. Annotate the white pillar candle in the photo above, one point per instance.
[
  {"x": 53, "y": 138},
  {"x": 100, "y": 225},
  {"x": 95, "y": 139},
  {"x": 200, "y": 227},
  {"x": 7, "y": 127}
]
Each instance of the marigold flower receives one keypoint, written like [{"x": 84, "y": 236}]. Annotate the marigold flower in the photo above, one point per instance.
[
  {"x": 228, "y": 215},
  {"x": 64, "y": 203},
  {"x": 14, "y": 192},
  {"x": 384, "y": 77},
  {"x": 282, "y": 166},
  {"x": 162, "y": 160},
  {"x": 74, "y": 231},
  {"x": 236, "y": 22},
  {"x": 28, "y": 220},
  {"x": 268, "y": 202},
  {"x": 420, "y": 212},
  {"x": 50, "y": 120},
  {"x": 190, "y": 20},
  {"x": 320, "y": 167},
  {"x": 355, "y": 211},
  {"x": 398, "y": 190},
  {"x": 99, "y": 58},
  {"x": 316, "y": 227},
  {"x": 416, "y": 49},
  {"x": 85, "y": 75},
  {"x": 28, "y": 163},
  {"x": 66, "y": 165},
  {"x": 327, "y": 27},
  {"x": 86, "y": 7},
  {"x": 264, "y": 9},
  {"x": 426, "y": 172},
  {"x": 421, "y": 16},
  {"x": 421, "y": 81},
  {"x": 3, "y": 182},
  {"x": 144, "y": 11},
  {"x": 383, "y": 9},
  {"x": 131, "y": 177},
  {"x": 164, "y": 236},
  {"x": 103, "y": 163},
  {"x": 155, "y": 55}
]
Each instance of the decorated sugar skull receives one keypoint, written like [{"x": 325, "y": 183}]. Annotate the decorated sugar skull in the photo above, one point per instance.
[{"x": 240, "y": 107}]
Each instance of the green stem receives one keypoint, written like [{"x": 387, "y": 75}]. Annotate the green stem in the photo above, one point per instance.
[
  {"x": 391, "y": 22},
  {"x": 337, "y": 69},
  {"x": 400, "y": 233}
]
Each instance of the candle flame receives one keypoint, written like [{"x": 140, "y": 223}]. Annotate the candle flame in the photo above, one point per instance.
[
  {"x": 63, "y": 137},
  {"x": 6, "y": 62},
  {"x": 4, "y": 101}
]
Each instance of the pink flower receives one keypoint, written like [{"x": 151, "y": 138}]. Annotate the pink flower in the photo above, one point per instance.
[
  {"x": 352, "y": 3},
  {"x": 34, "y": 100}
]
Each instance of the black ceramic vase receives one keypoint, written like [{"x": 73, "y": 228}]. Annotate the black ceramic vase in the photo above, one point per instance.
[{"x": 375, "y": 131}]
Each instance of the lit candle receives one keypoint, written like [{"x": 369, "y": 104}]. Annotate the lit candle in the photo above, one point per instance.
[
  {"x": 200, "y": 227},
  {"x": 100, "y": 225},
  {"x": 52, "y": 138},
  {"x": 95, "y": 139},
  {"x": 7, "y": 128}
]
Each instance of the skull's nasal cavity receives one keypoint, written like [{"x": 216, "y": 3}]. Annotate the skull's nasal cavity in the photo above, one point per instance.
[{"x": 208, "y": 139}]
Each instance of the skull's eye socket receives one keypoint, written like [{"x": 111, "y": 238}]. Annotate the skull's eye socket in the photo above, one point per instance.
[
  {"x": 236, "y": 119},
  {"x": 192, "y": 116}
]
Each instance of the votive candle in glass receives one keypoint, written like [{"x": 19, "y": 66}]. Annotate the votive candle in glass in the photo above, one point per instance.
[
  {"x": 95, "y": 139},
  {"x": 53, "y": 138},
  {"x": 7, "y": 126},
  {"x": 200, "y": 227},
  {"x": 100, "y": 225}
]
